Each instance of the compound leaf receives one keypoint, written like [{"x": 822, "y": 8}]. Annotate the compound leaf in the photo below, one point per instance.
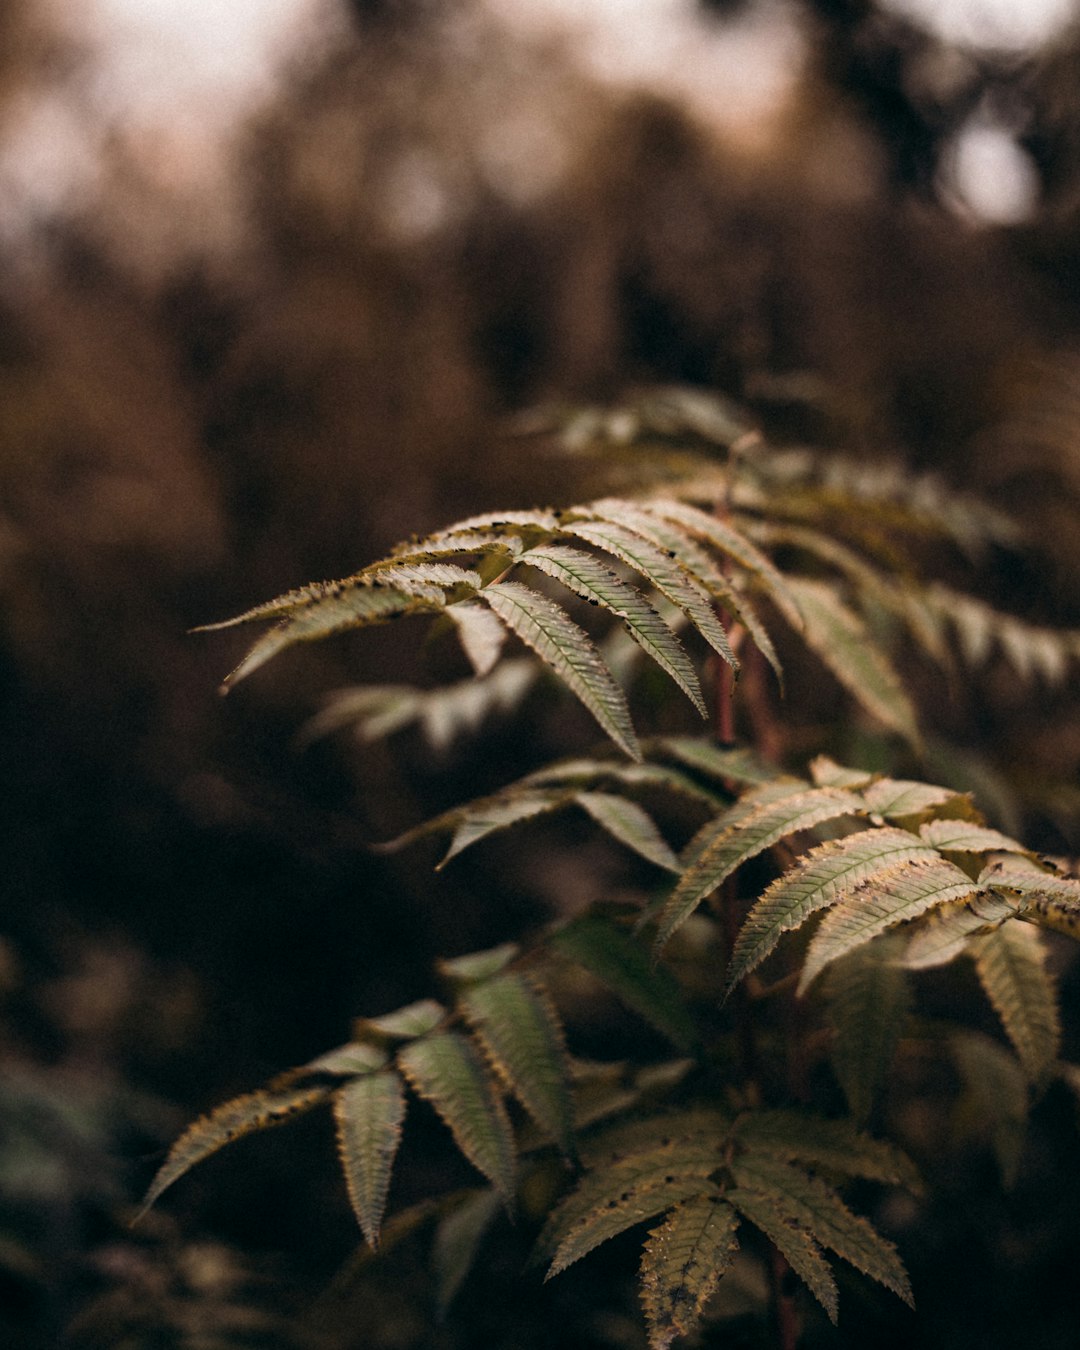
[{"x": 793, "y": 1242}]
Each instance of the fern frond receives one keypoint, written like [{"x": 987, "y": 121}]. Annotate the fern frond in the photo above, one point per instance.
[
  {"x": 757, "y": 821},
  {"x": 632, "y": 826},
  {"x": 901, "y": 892},
  {"x": 834, "y": 1145},
  {"x": 557, "y": 640},
  {"x": 588, "y": 577},
  {"x": 457, "y": 1243},
  {"x": 981, "y": 630},
  {"x": 368, "y": 1112},
  {"x": 809, "y": 1202},
  {"x": 819, "y": 879},
  {"x": 447, "y": 1071},
  {"x": 228, "y": 1122},
  {"x": 520, "y": 1033},
  {"x": 661, "y": 571},
  {"x": 869, "y": 1000},
  {"x": 1010, "y": 962},
  {"x": 682, "y": 1263},
  {"x": 618, "y": 960},
  {"x": 840, "y": 638},
  {"x": 798, "y": 1248}
]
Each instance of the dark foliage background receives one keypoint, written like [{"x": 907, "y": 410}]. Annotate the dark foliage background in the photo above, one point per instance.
[{"x": 201, "y": 406}]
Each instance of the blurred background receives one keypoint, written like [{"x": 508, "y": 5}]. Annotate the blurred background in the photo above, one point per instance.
[{"x": 274, "y": 275}]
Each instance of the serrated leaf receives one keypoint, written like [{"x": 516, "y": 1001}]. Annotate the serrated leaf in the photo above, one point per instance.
[
  {"x": 794, "y": 1244},
  {"x": 368, "y": 1112},
  {"x": 631, "y": 825},
  {"x": 901, "y": 892},
  {"x": 357, "y": 606},
  {"x": 816, "y": 1207},
  {"x": 869, "y": 1000},
  {"x": 1048, "y": 900},
  {"x": 946, "y": 932},
  {"x": 521, "y": 1035},
  {"x": 491, "y": 814},
  {"x": 835, "y": 1145},
  {"x": 446, "y": 1070},
  {"x": 728, "y": 540},
  {"x": 840, "y": 638},
  {"x": 474, "y": 967},
  {"x": 962, "y": 836},
  {"x": 481, "y": 632},
  {"x": 825, "y": 772},
  {"x": 995, "y": 1097},
  {"x": 632, "y": 1205},
  {"x": 557, "y": 640},
  {"x": 611, "y": 1195},
  {"x": 457, "y": 1242},
  {"x": 420, "y": 578},
  {"x": 228, "y": 1122},
  {"x": 455, "y": 539},
  {"x": 820, "y": 878},
  {"x": 594, "y": 581},
  {"x": 584, "y": 772},
  {"x": 756, "y": 823},
  {"x": 682, "y": 1263},
  {"x": 1010, "y": 962},
  {"x": 415, "y": 1019},
  {"x": 619, "y": 961},
  {"x": 899, "y": 798},
  {"x": 740, "y": 765},
  {"x": 660, "y": 570},
  {"x": 344, "y": 1061}
]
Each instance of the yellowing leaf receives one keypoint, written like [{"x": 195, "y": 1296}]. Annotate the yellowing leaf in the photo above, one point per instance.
[
  {"x": 683, "y": 1262},
  {"x": 793, "y": 1242}
]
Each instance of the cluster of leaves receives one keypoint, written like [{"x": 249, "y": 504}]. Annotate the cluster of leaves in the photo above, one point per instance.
[{"x": 716, "y": 539}]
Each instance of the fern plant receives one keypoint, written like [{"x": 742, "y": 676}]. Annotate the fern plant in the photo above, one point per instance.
[{"x": 824, "y": 892}]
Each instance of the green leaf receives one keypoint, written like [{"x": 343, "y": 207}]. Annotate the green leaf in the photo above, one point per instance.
[
  {"x": 592, "y": 579},
  {"x": 228, "y": 1122},
  {"x": 619, "y": 961},
  {"x": 740, "y": 766},
  {"x": 627, "y": 822},
  {"x": 356, "y": 606},
  {"x": 415, "y": 1019},
  {"x": 344, "y": 1061},
  {"x": 995, "y": 1097},
  {"x": 758, "y": 821},
  {"x": 869, "y": 999},
  {"x": 946, "y": 932},
  {"x": 841, "y": 640},
  {"x": 475, "y": 967},
  {"x": 669, "y": 577},
  {"x": 834, "y": 1145},
  {"x": 481, "y": 632},
  {"x": 457, "y": 1243},
  {"x": 682, "y": 1263},
  {"x": 491, "y": 814},
  {"x": 816, "y": 1207},
  {"x": 794, "y": 1243},
  {"x": 821, "y": 878},
  {"x": 521, "y": 1035},
  {"x": 825, "y": 772},
  {"x": 368, "y": 1112},
  {"x": 586, "y": 772},
  {"x": 903, "y": 891},
  {"x": 557, "y": 640},
  {"x": 1010, "y": 962},
  {"x": 447, "y": 1071}
]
